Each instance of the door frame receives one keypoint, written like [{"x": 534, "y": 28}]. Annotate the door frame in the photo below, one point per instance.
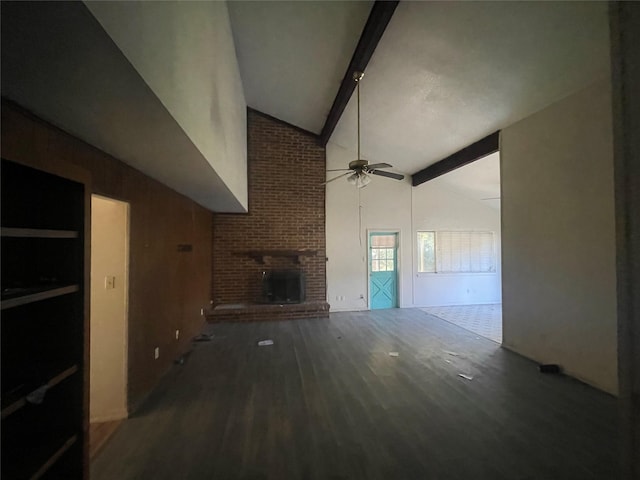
[
  {"x": 398, "y": 233},
  {"x": 125, "y": 347}
]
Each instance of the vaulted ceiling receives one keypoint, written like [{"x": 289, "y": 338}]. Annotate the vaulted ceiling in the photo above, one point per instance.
[
  {"x": 293, "y": 55},
  {"x": 444, "y": 74}
]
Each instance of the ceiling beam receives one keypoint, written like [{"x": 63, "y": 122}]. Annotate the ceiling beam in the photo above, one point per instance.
[
  {"x": 381, "y": 13},
  {"x": 473, "y": 152}
]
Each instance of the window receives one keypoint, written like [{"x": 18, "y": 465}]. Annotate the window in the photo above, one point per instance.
[
  {"x": 456, "y": 252},
  {"x": 383, "y": 252},
  {"x": 427, "y": 252}
]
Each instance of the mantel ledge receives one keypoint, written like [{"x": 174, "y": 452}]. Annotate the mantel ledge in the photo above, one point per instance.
[{"x": 295, "y": 255}]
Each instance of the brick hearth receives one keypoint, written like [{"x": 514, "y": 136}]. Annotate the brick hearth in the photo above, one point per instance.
[{"x": 256, "y": 313}]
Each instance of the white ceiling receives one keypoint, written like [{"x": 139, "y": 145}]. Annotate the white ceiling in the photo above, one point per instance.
[
  {"x": 444, "y": 75},
  {"x": 293, "y": 55},
  {"x": 58, "y": 62},
  {"x": 479, "y": 180}
]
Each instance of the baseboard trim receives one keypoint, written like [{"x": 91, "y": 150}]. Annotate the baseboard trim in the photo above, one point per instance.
[{"x": 110, "y": 417}]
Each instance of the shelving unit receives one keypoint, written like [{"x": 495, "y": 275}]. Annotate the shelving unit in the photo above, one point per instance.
[
  {"x": 22, "y": 397},
  {"x": 43, "y": 325},
  {"x": 24, "y": 296},
  {"x": 38, "y": 233}
]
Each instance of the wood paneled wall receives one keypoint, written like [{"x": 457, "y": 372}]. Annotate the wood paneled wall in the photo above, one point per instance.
[{"x": 167, "y": 287}]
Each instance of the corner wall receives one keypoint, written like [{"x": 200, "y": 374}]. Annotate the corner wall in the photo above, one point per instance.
[
  {"x": 558, "y": 237},
  {"x": 167, "y": 288},
  {"x": 625, "y": 60}
]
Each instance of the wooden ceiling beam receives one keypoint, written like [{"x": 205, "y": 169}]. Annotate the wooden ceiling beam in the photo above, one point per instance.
[
  {"x": 379, "y": 17},
  {"x": 475, "y": 151}
]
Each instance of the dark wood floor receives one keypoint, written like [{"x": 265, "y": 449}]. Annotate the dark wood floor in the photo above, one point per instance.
[{"x": 328, "y": 402}]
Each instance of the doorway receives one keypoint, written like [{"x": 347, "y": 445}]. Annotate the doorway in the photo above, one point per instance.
[
  {"x": 383, "y": 269},
  {"x": 109, "y": 309}
]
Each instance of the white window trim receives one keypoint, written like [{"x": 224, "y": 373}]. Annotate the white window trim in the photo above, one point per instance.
[{"x": 447, "y": 273}]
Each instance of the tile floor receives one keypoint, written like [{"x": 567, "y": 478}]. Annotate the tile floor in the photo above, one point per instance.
[{"x": 485, "y": 320}]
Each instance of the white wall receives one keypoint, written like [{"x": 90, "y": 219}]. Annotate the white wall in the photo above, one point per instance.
[
  {"x": 185, "y": 53},
  {"x": 108, "y": 357},
  {"x": 389, "y": 205},
  {"x": 558, "y": 237},
  {"x": 437, "y": 207},
  {"x": 382, "y": 205}
]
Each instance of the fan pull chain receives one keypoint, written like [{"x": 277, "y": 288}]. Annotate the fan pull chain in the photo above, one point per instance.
[{"x": 359, "y": 218}]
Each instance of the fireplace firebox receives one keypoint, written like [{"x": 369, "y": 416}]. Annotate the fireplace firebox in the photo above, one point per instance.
[{"x": 283, "y": 286}]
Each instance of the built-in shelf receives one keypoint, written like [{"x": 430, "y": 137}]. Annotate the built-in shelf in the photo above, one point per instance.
[
  {"x": 18, "y": 297},
  {"x": 295, "y": 255},
  {"x": 51, "y": 461},
  {"x": 37, "y": 233},
  {"x": 21, "y": 401},
  {"x": 44, "y": 390}
]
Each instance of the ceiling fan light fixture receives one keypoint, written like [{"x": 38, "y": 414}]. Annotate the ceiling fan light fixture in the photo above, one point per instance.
[
  {"x": 364, "y": 180},
  {"x": 359, "y": 179},
  {"x": 361, "y": 169}
]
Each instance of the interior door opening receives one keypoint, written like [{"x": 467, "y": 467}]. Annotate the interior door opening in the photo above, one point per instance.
[
  {"x": 459, "y": 267},
  {"x": 383, "y": 270},
  {"x": 109, "y": 308}
]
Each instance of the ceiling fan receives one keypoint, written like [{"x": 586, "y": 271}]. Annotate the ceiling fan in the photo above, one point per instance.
[{"x": 359, "y": 170}]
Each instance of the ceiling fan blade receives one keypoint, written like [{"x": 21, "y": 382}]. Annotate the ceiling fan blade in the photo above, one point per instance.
[
  {"x": 378, "y": 165},
  {"x": 382, "y": 173},
  {"x": 336, "y": 178},
  {"x": 339, "y": 170}
]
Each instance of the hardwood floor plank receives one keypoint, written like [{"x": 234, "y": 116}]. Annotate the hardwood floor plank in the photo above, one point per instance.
[{"x": 326, "y": 401}]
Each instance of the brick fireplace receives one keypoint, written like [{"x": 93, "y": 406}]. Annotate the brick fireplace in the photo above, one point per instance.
[{"x": 282, "y": 237}]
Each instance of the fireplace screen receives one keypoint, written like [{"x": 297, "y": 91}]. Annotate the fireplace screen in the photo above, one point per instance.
[{"x": 283, "y": 286}]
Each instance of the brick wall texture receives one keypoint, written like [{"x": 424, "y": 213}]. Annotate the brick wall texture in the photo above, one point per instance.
[{"x": 286, "y": 212}]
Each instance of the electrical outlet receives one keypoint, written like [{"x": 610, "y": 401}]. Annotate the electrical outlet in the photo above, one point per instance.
[
  {"x": 202, "y": 312},
  {"x": 177, "y": 334},
  {"x": 156, "y": 353}
]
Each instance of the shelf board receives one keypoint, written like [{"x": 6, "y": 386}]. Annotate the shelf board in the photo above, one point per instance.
[
  {"x": 38, "y": 294},
  {"x": 22, "y": 401},
  {"x": 54, "y": 458},
  {"x": 37, "y": 233}
]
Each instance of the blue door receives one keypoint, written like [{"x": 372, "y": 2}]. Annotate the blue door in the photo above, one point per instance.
[{"x": 383, "y": 270}]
